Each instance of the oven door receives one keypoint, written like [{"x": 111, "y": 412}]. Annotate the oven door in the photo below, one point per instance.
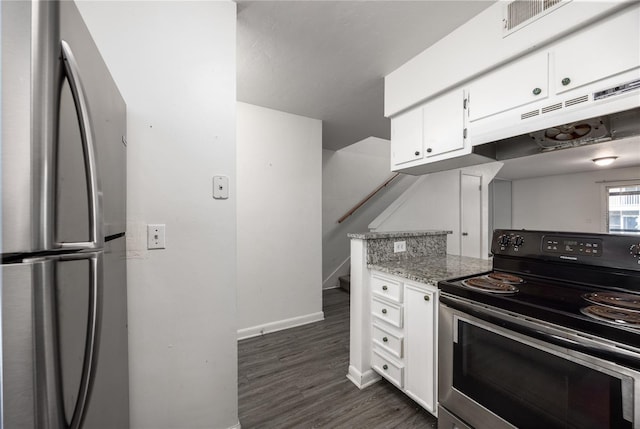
[{"x": 492, "y": 376}]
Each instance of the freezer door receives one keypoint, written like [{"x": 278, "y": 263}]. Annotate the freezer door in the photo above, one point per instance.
[
  {"x": 108, "y": 120},
  {"x": 17, "y": 179},
  {"x": 44, "y": 165},
  {"x": 50, "y": 336}
]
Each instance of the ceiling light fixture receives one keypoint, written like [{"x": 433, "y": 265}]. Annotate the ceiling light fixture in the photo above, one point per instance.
[{"x": 601, "y": 162}]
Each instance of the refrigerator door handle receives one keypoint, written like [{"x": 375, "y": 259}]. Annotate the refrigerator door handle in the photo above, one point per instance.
[
  {"x": 50, "y": 413},
  {"x": 94, "y": 191}
]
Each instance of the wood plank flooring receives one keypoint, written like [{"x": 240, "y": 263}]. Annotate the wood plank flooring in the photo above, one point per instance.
[{"x": 297, "y": 379}]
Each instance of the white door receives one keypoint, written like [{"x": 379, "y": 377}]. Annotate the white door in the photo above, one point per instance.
[{"x": 470, "y": 216}]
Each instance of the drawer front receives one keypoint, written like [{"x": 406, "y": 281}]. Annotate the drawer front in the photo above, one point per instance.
[
  {"x": 388, "y": 369},
  {"x": 390, "y": 313},
  {"x": 390, "y": 289},
  {"x": 391, "y": 343}
]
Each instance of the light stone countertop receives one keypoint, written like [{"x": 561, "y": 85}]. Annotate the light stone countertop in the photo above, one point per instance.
[
  {"x": 431, "y": 269},
  {"x": 397, "y": 234}
]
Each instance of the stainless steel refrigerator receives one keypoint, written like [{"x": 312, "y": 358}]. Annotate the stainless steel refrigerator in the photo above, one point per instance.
[{"x": 63, "y": 182}]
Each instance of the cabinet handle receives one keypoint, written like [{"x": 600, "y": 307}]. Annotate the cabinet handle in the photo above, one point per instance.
[
  {"x": 536, "y": 91},
  {"x": 429, "y": 150},
  {"x": 417, "y": 152},
  {"x": 385, "y": 367},
  {"x": 384, "y": 311},
  {"x": 427, "y": 298},
  {"x": 385, "y": 339},
  {"x": 566, "y": 81},
  {"x": 384, "y": 287}
]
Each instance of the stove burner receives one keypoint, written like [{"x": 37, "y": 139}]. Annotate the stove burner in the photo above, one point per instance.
[
  {"x": 505, "y": 278},
  {"x": 619, "y": 300},
  {"x": 608, "y": 314},
  {"x": 489, "y": 285}
]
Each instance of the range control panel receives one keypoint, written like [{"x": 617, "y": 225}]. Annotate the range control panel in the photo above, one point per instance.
[
  {"x": 572, "y": 246},
  {"x": 606, "y": 250}
]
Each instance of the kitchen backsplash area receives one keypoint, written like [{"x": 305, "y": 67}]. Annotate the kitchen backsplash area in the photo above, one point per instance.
[{"x": 383, "y": 246}]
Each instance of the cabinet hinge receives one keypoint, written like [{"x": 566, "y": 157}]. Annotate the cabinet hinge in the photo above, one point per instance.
[
  {"x": 464, "y": 103},
  {"x": 464, "y": 133}
]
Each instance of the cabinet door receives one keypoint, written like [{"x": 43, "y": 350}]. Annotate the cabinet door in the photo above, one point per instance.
[
  {"x": 516, "y": 84},
  {"x": 598, "y": 52},
  {"x": 443, "y": 123},
  {"x": 406, "y": 137},
  {"x": 420, "y": 342}
]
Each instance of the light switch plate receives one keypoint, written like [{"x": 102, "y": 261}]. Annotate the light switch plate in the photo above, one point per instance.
[
  {"x": 155, "y": 236},
  {"x": 220, "y": 187}
]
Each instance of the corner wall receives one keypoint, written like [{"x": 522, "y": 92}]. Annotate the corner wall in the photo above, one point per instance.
[
  {"x": 349, "y": 175},
  {"x": 174, "y": 63},
  {"x": 433, "y": 202},
  {"x": 279, "y": 220}
]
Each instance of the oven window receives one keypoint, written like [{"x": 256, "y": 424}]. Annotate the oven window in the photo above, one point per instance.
[{"x": 531, "y": 388}]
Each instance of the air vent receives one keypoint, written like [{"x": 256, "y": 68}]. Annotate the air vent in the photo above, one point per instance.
[
  {"x": 576, "y": 100},
  {"x": 530, "y": 114},
  {"x": 552, "y": 108},
  {"x": 520, "y": 13}
]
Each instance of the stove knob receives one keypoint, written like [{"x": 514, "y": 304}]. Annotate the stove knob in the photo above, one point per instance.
[
  {"x": 518, "y": 241},
  {"x": 635, "y": 250},
  {"x": 504, "y": 240}
]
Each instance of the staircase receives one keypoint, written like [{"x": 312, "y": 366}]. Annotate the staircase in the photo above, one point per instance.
[{"x": 345, "y": 283}]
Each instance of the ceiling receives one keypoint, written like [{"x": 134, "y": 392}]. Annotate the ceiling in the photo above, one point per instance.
[
  {"x": 327, "y": 59},
  {"x": 574, "y": 160}
]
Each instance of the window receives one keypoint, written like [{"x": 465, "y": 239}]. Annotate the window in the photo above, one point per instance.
[{"x": 623, "y": 209}]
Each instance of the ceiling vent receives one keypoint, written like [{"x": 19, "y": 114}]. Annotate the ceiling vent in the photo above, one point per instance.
[{"x": 520, "y": 13}]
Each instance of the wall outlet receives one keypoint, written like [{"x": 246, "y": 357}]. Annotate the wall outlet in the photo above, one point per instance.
[
  {"x": 155, "y": 236},
  {"x": 399, "y": 246}
]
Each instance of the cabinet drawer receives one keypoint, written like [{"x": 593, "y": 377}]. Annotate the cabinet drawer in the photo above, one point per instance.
[
  {"x": 391, "y": 343},
  {"x": 388, "y": 369},
  {"x": 390, "y": 289},
  {"x": 390, "y": 313}
]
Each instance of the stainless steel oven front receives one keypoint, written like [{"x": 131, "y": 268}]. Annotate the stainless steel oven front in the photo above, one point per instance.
[{"x": 503, "y": 370}]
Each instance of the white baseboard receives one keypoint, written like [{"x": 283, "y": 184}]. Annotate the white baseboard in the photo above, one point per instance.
[
  {"x": 333, "y": 281},
  {"x": 279, "y": 325},
  {"x": 363, "y": 379},
  {"x": 236, "y": 426}
]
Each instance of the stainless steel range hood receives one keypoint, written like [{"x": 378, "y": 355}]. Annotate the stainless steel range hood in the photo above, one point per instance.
[{"x": 580, "y": 133}]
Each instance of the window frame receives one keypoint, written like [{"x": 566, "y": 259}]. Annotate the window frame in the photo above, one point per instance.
[{"x": 606, "y": 185}]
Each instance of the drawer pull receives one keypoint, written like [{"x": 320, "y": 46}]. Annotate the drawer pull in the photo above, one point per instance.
[
  {"x": 384, "y": 287},
  {"x": 427, "y": 298},
  {"x": 385, "y": 339},
  {"x": 385, "y": 367},
  {"x": 536, "y": 91},
  {"x": 384, "y": 311}
]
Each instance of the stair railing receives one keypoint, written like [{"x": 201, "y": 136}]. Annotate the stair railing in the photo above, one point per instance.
[{"x": 367, "y": 198}]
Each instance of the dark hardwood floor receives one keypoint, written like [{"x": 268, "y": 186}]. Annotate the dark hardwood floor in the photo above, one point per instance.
[{"x": 297, "y": 379}]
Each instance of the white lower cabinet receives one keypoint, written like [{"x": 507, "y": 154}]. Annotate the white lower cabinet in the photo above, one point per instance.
[{"x": 404, "y": 338}]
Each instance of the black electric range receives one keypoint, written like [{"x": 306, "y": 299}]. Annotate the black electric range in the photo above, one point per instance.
[{"x": 585, "y": 282}]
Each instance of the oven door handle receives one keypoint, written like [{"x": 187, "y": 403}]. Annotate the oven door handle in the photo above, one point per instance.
[{"x": 528, "y": 328}]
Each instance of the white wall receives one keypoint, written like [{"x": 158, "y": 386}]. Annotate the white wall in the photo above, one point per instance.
[
  {"x": 279, "y": 220},
  {"x": 175, "y": 65},
  {"x": 433, "y": 202},
  {"x": 349, "y": 175},
  {"x": 570, "y": 202}
]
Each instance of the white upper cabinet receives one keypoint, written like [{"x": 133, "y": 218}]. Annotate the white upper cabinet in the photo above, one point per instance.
[
  {"x": 600, "y": 51},
  {"x": 443, "y": 122},
  {"x": 406, "y": 137},
  {"x": 517, "y": 84}
]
